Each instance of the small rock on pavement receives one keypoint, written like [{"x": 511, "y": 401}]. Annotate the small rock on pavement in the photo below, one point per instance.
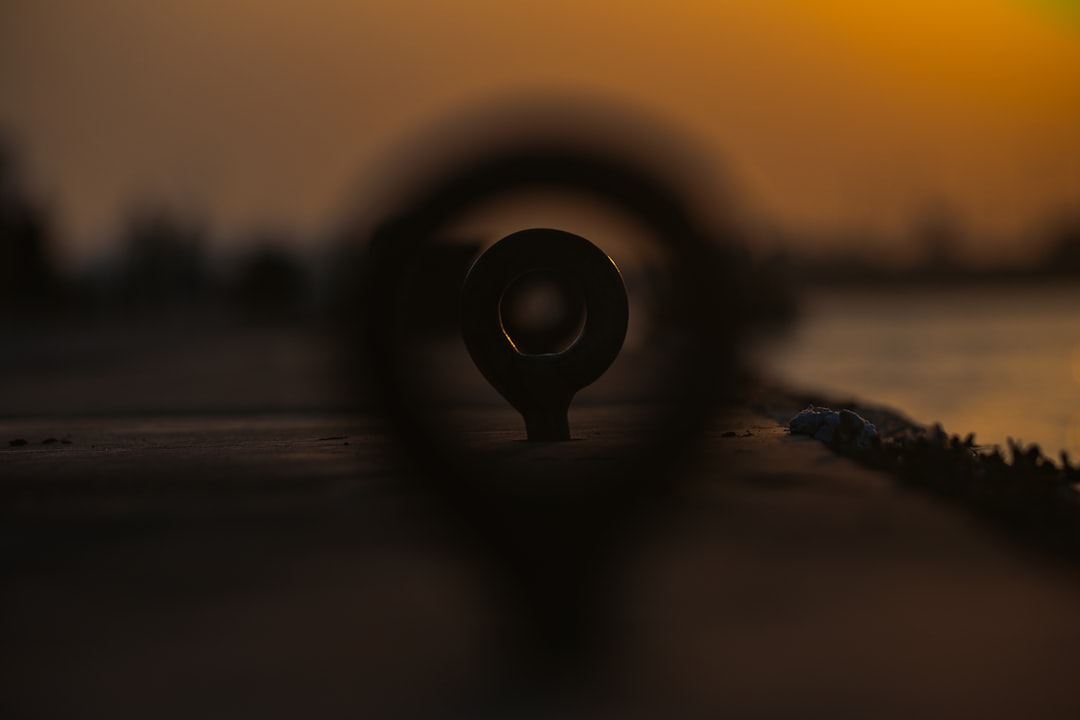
[{"x": 833, "y": 427}]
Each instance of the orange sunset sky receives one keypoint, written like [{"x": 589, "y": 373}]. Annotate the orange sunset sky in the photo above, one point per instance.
[{"x": 828, "y": 115}]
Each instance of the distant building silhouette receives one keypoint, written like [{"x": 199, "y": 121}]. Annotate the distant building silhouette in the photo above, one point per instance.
[{"x": 938, "y": 233}]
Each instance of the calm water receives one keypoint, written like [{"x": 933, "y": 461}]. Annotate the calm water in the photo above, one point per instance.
[{"x": 999, "y": 362}]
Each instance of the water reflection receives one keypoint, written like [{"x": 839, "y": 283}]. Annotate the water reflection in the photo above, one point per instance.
[{"x": 997, "y": 361}]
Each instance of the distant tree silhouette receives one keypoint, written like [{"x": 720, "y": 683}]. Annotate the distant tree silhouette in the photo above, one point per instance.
[
  {"x": 340, "y": 280},
  {"x": 164, "y": 265},
  {"x": 271, "y": 283},
  {"x": 27, "y": 277},
  {"x": 1064, "y": 254}
]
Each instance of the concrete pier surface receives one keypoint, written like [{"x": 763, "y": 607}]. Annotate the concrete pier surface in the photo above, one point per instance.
[
  {"x": 277, "y": 564},
  {"x": 192, "y": 524}
]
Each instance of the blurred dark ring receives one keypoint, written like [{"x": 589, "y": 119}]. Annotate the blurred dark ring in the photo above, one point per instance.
[{"x": 696, "y": 363}]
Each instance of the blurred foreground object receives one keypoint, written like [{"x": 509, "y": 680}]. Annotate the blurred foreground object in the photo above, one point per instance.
[
  {"x": 687, "y": 296},
  {"x": 555, "y": 521}
]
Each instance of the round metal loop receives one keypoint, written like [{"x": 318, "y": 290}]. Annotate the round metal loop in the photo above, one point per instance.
[{"x": 541, "y": 386}]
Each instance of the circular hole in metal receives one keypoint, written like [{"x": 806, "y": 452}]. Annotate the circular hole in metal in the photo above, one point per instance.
[{"x": 542, "y": 312}]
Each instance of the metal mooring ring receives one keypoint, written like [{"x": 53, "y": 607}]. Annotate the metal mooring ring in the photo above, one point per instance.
[{"x": 541, "y": 385}]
